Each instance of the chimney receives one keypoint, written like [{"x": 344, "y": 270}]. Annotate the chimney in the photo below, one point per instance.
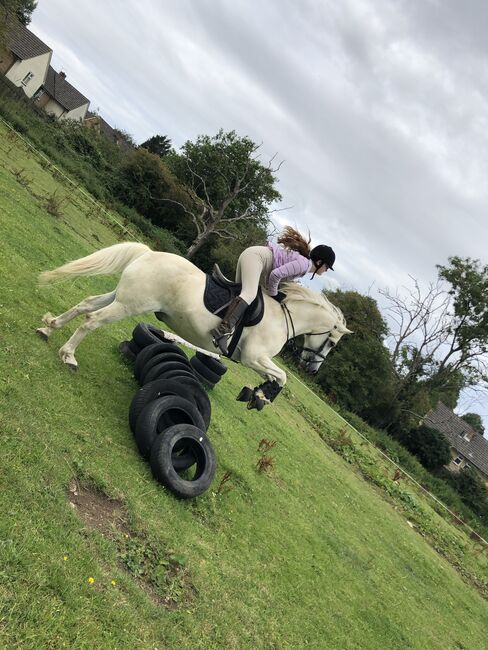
[{"x": 62, "y": 74}]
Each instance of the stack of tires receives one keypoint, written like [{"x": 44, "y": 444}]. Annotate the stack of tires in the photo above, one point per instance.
[
  {"x": 170, "y": 413},
  {"x": 208, "y": 370}
]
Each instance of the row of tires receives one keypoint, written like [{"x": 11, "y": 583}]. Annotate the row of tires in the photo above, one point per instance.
[
  {"x": 208, "y": 370},
  {"x": 170, "y": 414}
]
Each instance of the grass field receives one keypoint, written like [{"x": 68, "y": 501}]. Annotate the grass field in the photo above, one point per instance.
[{"x": 323, "y": 551}]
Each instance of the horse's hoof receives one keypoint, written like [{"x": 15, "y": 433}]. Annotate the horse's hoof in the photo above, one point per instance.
[
  {"x": 41, "y": 332},
  {"x": 72, "y": 367},
  {"x": 256, "y": 403},
  {"x": 245, "y": 395}
]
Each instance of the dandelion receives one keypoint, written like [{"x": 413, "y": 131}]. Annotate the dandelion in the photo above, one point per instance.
[
  {"x": 113, "y": 583},
  {"x": 91, "y": 580},
  {"x": 65, "y": 558}
]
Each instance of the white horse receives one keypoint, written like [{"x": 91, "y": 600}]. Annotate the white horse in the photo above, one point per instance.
[{"x": 162, "y": 282}]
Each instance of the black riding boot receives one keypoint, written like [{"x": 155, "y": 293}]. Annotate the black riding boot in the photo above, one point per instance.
[{"x": 224, "y": 331}]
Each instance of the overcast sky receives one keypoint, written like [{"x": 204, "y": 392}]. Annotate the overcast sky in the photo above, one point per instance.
[{"x": 378, "y": 109}]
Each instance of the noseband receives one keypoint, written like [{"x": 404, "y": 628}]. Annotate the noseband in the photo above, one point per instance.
[{"x": 295, "y": 349}]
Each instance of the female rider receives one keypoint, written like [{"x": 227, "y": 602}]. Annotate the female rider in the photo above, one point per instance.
[{"x": 269, "y": 265}]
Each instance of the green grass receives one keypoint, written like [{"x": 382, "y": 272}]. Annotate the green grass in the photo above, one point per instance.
[{"x": 317, "y": 553}]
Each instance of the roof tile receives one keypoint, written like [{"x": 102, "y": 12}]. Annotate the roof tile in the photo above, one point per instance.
[
  {"x": 62, "y": 91},
  {"x": 454, "y": 428},
  {"x": 24, "y": 44}
]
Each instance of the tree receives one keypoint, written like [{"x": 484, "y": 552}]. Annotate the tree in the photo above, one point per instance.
[
  {"x": 468, "y": 330},
  {"x": 360, "y": 376},
  {"x": 160, "y": 145},
  {"x": 441, "y": 337},
  {"x": 20, "y": 10},
  {"x": 145, "y": 183},
  {"x": 225, "y": 252},
  {"x": 12, "y": 11},
  {"x": 226, "y": 182},
  {"x": 430, "y": 447},
  {"x": 474, "y": 420},
  {"x": 473, "y": 492}
]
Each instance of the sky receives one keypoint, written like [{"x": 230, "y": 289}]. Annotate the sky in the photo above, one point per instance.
[{"x": 377, "y": 108}]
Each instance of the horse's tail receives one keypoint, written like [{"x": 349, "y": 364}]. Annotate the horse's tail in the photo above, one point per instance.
[{"x": 113, "y": 259}]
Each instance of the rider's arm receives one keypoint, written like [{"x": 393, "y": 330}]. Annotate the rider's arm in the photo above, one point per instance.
[{"x": 286, "y": 272}]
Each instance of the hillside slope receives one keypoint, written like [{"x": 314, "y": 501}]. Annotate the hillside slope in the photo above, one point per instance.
[{"x": 93, "y": 553}]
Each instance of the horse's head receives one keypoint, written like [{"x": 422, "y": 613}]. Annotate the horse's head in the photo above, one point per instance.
[
  {"x": 323, "y": 323},
  {"x": 316, "y": 347}
]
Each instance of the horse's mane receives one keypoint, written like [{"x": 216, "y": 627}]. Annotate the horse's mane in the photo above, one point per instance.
[{"x": 296, "y": 291}]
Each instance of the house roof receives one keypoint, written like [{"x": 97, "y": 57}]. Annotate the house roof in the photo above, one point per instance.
[
  {"x": 24, "y": 44},
  {"x": 62, "y": 91},
  {"x": 454, "y": 428},
  {"x": 114, "y": 135},
  {"x": 104, "y": 126}
]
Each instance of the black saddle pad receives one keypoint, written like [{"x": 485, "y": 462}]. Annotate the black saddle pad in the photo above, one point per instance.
[{"x": 217, "y": 298}]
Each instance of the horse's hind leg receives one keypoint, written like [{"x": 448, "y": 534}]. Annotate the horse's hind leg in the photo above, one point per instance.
[
  {"x": 112, "y": 313},
  {"x": 84, "y": 307}
]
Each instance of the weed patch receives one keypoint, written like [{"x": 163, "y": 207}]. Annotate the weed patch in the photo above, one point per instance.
[{"x": 53, "y": 204}]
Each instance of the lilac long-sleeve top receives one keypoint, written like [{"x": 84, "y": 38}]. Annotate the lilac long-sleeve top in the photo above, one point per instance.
[{"x": 287, "y": 265}]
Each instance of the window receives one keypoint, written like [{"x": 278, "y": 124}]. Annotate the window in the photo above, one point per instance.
[
  {"x": 458, "y": 460},
  {"x": 27, "y": 78}
]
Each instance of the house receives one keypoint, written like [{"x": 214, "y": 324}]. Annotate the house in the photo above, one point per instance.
[
  {"x": 59, "y": 98},
  {"x": 98, "y": 124},
  {"x": 468, "y": 447},
  {"x": 24, "y": 59}
]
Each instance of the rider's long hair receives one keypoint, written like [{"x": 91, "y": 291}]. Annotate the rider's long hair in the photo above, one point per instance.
[{"x": 293, "y": 240}]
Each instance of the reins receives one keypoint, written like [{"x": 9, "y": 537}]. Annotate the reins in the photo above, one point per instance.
[{"x": 294, "y": 347}]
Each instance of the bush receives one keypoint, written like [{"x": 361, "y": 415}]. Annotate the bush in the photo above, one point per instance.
[{"x": 430, "y": 447}]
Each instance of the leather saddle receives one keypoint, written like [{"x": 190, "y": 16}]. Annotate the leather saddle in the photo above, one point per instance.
[{"x": 219, "y": 293}]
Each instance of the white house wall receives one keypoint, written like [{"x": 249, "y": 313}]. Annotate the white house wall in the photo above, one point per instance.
[
  {"x": 37, "y": 65},
  {"x": 77, "y": 114},
  {"x": 53, "y": 108}
]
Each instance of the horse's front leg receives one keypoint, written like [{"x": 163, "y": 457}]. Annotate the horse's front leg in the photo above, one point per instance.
[{"x": 259, "y": 396}]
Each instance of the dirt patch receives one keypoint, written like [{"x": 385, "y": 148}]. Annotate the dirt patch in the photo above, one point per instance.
[
  {"x": 97, "y": 510},
  {"x": 158, "y": 570}
]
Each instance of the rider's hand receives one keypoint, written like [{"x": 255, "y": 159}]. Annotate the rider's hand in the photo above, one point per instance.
[{"x": 280, "y": 296}]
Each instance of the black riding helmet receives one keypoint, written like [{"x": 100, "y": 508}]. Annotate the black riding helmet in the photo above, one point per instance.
[{"x": 323, "y": 254}]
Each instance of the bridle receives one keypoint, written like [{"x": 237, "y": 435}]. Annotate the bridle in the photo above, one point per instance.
[{"x": 295, "y": 349}]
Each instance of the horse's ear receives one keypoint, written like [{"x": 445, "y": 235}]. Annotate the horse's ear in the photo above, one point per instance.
[{"x": 344, "y": 330}]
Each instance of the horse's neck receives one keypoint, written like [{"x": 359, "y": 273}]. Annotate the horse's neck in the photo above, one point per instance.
[{"x": 305, "y": 317}]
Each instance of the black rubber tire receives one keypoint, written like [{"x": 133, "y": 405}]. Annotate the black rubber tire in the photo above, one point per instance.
[
  {"x": 163, "y": 387},
  {"x": 126, "y": 352},
  {"x": 215, "y": 365},
  {"x": 162, "y": 460},
  {"x": 162, "y": 413},
  {"x": 151, "y": 351},
  {"x": 179, "y": 373},
  {"x": 202, "y": 381},
  {"x": 163, "y": 357},
  {"x": 134, "y": 347},
  {"x": 199, "y": 392},
  {"x": 162, "y": 368},
  {"x": 209, "y": 375},
  {"x": 145, "y": 334}
]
